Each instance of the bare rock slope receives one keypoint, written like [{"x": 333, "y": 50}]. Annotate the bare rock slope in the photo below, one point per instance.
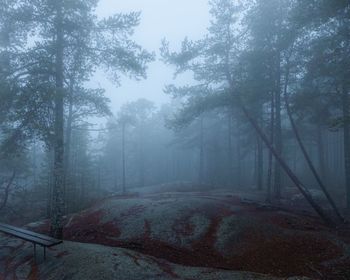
[{"x": 192, "y": 235}]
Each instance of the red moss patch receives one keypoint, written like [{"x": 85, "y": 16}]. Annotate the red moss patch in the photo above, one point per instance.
[
  {"x": 285, "y": 255},
  {"x": 276, "y": 254},
  {"x": 89, "y": 229},
  {"x": 293, "y": 222},
  {"x": 183, "y": 226},
  {"x": 12, "y": 266},
  {"x": 34, "y": 273}
]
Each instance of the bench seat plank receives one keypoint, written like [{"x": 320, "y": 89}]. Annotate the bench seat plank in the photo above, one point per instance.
[
  {"x": 31, "y": 233},
  {"x": 29, "y": 238}
]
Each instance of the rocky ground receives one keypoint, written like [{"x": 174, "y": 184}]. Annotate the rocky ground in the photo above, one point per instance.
[{"x": 184, "y": 235}]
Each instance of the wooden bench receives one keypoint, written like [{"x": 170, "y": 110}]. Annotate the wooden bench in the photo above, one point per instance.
[{"x": 33, "y": 237}]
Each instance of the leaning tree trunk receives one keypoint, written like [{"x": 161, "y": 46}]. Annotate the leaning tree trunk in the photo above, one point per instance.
[
  {"x": 57, "y": 199},
  {"x": 305, "y": 153},
  {"x": 284, "y": 166},
  {"x": 309, "y": 162}
]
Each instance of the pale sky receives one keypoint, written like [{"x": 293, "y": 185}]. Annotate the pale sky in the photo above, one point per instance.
[{"x": 170, "y": 19}]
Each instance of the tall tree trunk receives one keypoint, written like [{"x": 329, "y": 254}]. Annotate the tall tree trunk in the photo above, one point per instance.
[
  {"x": 230, "y": 149},
  {"x": 50, "y": 182},
  {"x": 321, "y": 153},
  {"x": 201, "y": 152},
  {"x": 115, "y": 174},
  {"x": 57, "y": 200},
  {"x": 34, "y": 163},
  {"x": 141, "y": 159},
  {"x": 7, "y": 191},
  {"x": 285, "y": 167},
  {"x": 238, "y": 156},
  {"x": 82, "y": 191},
  {"x": 278, "y": 130},
  {"x": 305, "y": 153},
  {"x": 123, "y": 159},
  {"x": 346, "y": 115},
  {"x": 99, "y": 174},
  {"x": 260, "y": 163},
  {"x": 68, "y": 143},
  {"x": 272, "y": 141}
]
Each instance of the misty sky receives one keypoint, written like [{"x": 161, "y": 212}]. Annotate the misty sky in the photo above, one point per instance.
[{"x": 170, "y": 19}]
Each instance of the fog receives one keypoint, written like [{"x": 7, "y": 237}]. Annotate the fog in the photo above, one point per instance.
[
  {"x": 198, "y": 139},
  {"x": 160, "y": 19}
]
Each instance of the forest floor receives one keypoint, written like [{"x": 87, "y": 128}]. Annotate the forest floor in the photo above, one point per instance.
[{"x": 184, "y": 235}]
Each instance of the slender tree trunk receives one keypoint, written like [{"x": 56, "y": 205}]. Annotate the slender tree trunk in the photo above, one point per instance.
[
  {"x": 7, "y": 191},
  {"x": 57, "y": 201},
  {"x": 99, "y": 173},
  {"x": 141, "y": 159},
  {"x": 50, "y": 183},
  {"x": 278, "y": 131},
  {"x": 260, "y": 163},
  {"x": 272, "y": 141},
  {"x": 321, "y": 153},
  {"x": 346, "y": 115},
  {"x": 201, "y": 152},
  {"x": 230, "y": 150},
  {"x": 34, "y": 163},
  {"x": 285, "y": 167},
  {"x": 306, "y": 155},
  {"x": 68, "y": 144},
  {"x": 255, "y": 172},
  {"x": 115, "y": 175},
  {"x": 238, "y": 157},
  {"x": 82, "y": 191},
  {"x": 123, "y": 159}
]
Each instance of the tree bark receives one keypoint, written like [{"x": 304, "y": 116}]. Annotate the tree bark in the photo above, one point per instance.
[
  {"x": 346, "y": 116},
  {"x": 7, "y": 191},
  {"x": 305, "y": 153},
  {"x": 57, "y": 200},
  {"x": 123, "y": 159},
  {"x": 285, "y": 167},
  {"x": 68, "y": 142},
  {"x": 278, "y": 130},
  {"x": 230, "y": 150},
  {"x": 321, "y": 153},
  {"x": 260, "y": 163},
  {"x": 272, "y": 140},
  {"x": 141, "y": 159},
  {"x": 238, "y": 157},
  {"x": 201, "y": 152},
  {"x": 115, "y": 173}
]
